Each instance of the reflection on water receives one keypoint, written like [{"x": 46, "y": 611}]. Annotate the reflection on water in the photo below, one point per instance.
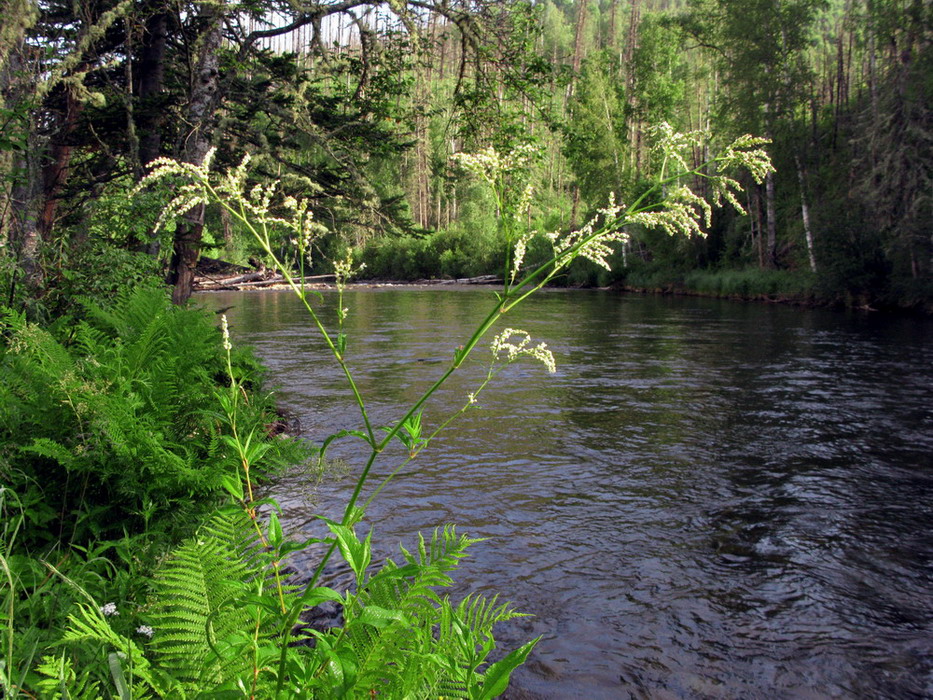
[{"x": 709, "y": 499}]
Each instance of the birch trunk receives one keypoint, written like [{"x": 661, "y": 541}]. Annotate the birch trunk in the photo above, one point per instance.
[{"x": 805, "y": 212}]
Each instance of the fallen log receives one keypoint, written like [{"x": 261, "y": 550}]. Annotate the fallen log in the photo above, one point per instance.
[
  {"x": 482, "y": 279},
  {"x": 207, "y": 280}
]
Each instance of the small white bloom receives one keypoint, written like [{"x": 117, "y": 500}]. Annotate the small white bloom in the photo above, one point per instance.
[
  {"x": 471, "y": 398},
  {"x": 501, "y": 343},
  {"x": 226, "y": 331},
  {"x": 109, "y": 610},
  {"x": 145, "y": 630}
]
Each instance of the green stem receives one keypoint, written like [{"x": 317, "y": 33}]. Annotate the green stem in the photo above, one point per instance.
[{"x": 300, "y": 293}]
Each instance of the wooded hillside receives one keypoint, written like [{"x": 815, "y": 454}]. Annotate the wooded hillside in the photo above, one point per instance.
[{"x": 359, "y": 105}]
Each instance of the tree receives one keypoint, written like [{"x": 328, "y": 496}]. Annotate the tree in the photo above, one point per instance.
[{"x": 760, "y": 46}]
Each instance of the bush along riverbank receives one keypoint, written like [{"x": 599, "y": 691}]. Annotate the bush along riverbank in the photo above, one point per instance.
[
  {"x": 428, "y": 260},
  {"x": 113, "y": 450},
  {"x": 795, "y": 287}
]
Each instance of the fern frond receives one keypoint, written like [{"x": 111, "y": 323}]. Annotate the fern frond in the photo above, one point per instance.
[
  {"x": 198, "y": 610},
  {"x": 60, "y": 680},
  {"x": 395, "y": 651},
  {"x": 88, "y": 625}
]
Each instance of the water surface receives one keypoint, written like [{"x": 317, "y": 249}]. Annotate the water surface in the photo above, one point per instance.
[{"x": 708, "y": 500}]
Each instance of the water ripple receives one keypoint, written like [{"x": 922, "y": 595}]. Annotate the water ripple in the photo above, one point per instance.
[{"x": 709, "y": 500}]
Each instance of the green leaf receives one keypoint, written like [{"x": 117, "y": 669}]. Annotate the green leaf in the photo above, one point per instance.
[
  {"x": 497, "y": 676},
  {"x": 345, "y": 433},
  {"x": 356, "y": 553},
  {"x": 316, "y": 596},
  {"x": 412, "y": 426},
  {"x": 233, "y": 485},
  {"x": 116, "y": 670},
  {"x": 289, "y": 546},
  {"x": 378, "y": 617},
  {"x": 275, "y": 530}
]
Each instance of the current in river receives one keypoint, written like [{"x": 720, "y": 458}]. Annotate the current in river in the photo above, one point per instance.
[{"x": 709, "y": 499}]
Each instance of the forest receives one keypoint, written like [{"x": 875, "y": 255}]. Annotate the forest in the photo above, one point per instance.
[
  {"x": 359, "y": 106},
  {"x": 584, "y": 143}
]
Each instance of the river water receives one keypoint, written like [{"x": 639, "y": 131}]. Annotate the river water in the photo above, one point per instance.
[{"x": 708, "y": 500}]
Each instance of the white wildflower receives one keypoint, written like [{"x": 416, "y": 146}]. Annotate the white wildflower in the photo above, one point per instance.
[
  {"x": 486, "y": 163},
  {"x": 109, "y": 610},
  {"x": 611, "y": 212},
  {"x": 518, "y": 253},
  {"x": 471, "y": 398},
  {"x": 503, "y": 343},
  {"x": 344, "y": 269},
  {"x": 489, "y": 164},
  {"x": 226, "y": 331},
  {"x": 145, "y": 630}
]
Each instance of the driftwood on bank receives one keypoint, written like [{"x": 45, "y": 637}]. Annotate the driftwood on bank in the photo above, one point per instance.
[
  {"x": 482, "y": 279},
  {"x": 219, "y": 275},
  {"x": 237, "y": 279}
]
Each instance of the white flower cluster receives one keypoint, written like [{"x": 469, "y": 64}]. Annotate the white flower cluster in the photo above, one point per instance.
[
  {"x": 254, "y": 206},
  {"x": 682, "y": 212},
  {"x": 109, "y": 610},
  {"x": 343, "y": 271},
  {"x": 502, "y": 344},
  {"x": 682, "y": 209},
  {"x": 145, "y": 630},
  {"x": 188, "y": 195},
  {"x": 486, "y": 163},
  {"x": 590, "y": 242},
  {"x": 745, "y": 152},
  {"x": 675, "y": 145},
  {"x": 226, "y": 331},
  {"x": 518, "y": 253},
  {"x": 489, "y": 164}
]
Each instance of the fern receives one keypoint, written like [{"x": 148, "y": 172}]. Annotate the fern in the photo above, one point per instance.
[
  {"x": 114, "y": 414},
  {"x": 88, "y": 627},
  {"x": 60, "y": 680},
  {"x": 401, "y": 640},
  {"x": 200, "y": 611},
  {"x": 218, "y": 624}
]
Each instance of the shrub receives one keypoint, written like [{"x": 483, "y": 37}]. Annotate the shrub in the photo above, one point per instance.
[{"x": 108, "y": 421}]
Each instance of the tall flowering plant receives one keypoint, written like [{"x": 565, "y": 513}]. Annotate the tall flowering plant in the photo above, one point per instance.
[{"x": 670, "y": 205}]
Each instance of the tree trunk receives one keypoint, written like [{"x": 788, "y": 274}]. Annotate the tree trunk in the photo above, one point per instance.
[
  {"x": 805, "y": 212},
  {"x": 25, "y": 197},
  {"x": 150, "y": 72},
  {"x": 771, "y": 215},
  {"x": 22, "y": 205},
  {"x": 579, "y": 46},
  {"x": 204, "y": 98},
  {"x": 55, "y": 173}
]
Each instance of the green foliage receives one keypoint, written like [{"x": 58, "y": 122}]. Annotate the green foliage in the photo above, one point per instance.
[
  {"x": 454, "y": 253},
  {"x": 200, "y": 609},
  {"x": 107, "y": 422},
  {"x": 596, "y": 142},
  {"x": 753, "y": 283},
  {"x": 218, "y": 621},
  {"x": 60, "y": 680}
]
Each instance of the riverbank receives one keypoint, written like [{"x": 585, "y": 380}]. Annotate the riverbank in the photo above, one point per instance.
[
  {"x": 790, "y": 287},
  {"x": 805, "y": 300}
]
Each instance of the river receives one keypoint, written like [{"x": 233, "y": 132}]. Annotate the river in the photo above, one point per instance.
[{"x": 709, "y": 499}]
